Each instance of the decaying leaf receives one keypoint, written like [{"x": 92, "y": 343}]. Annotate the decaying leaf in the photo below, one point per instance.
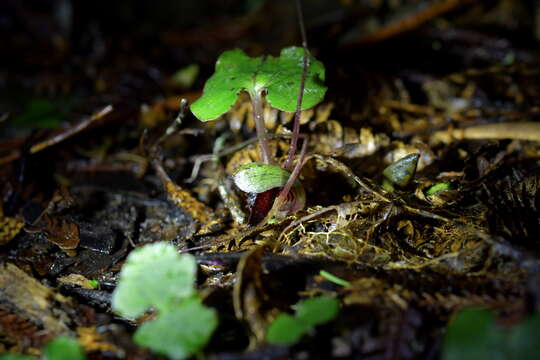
[
  {"x": 30, "y": 314},
  {"x": 9, "y": 227}
]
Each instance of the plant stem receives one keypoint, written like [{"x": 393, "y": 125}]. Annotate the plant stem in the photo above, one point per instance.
[
  {"x": 258, "y": 116},
  {"x": 282, "y": 196},
  {"x": 296, "y": 127}
]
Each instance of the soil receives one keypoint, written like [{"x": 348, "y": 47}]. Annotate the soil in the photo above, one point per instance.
[{"x": 93, "y": 164}]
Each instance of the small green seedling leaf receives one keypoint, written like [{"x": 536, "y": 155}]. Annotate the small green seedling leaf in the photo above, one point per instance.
[
  {"x": 400, "y": 172},
  {"x": 436, "y": 188},
  {"x": 40, "y": 113},
  {"x": 153, "y": 276},
  {"x": 474, "y": 334},
  {"x": 333, "y": 278},
  {"x": 94, "y": 284},
  {"x": 279, "y": 77},
  {"x": 257, "y": 178},
  {"x": 180, "y": 332},
  {"x": 287, "y": 329},
  {"x": 186, "y": 76},
  {"x": 16, "y": 357},
  {"x": 317, "y": 310},
  {"x": 156, "y": 276},
  {"x": 63, "y": 348}
]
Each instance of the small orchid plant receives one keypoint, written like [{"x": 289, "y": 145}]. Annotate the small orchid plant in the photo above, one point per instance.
[{"x": 291, "y": 82}]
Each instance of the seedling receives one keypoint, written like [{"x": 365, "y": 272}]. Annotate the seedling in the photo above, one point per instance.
[
  {"x": 279, "y": 78},
  {"x": 157, "y": 277},
  {"x": 16, "y": 357},
  {"x": 283, "y": 80},
  {"x": 475, "y": 334},
  {"x": 61, "y": 348},
  {"x": 64, "y": 348},
  {"x": 437, "y": 188},
  {"x": 287, "y": 329}
]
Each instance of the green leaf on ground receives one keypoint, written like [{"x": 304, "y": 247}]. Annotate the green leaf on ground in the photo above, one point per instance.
[
  {"x": 156, "y": 277},
  {"x": 287, "y": 329},
  {"x": 153, "y": 276},
  {"x": 436, "y": 188},
  {"x": 63, "y": 348},
  {"x": 474, "y": 334},
  {"x": 179, "y": 332},
  {"x": 279, "y": 76},
  {"x": 317, "y": 310},
  {"x": 16, "y": 357},
  {"x": 39, "y": 113}
]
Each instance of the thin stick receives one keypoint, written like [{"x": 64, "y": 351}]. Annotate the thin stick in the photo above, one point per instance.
[
  {"x": 510, "y": 130},
  {"x": 60, "y": 137},
  {"x": 296, "y": 127},
  {"x": 174, "y": 126},
  {"x": 71, "y": 131},
  {"x": 409, "y": 23}
]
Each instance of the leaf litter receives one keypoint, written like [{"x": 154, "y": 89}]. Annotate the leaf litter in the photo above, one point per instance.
[{"x": 411, "y": 257}]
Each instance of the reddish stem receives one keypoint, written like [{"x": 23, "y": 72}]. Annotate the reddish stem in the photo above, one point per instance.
[
  {"x": 280, "y": 200},
  {"x": 296, "y": 126}
]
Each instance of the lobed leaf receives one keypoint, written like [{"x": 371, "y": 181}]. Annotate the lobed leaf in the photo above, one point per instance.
[
  {"x": 153, "y": 276},
  {"x": 235, "y": 71},
  {"x": 278, "y": 76},
  {"x": 16, "y": 357},
  {"x": 287, "y": 329},
  {"x": 63, "y": 348},
  {"x": 284, "y": 76},
  {"x": 179, "y": 332},
  {"x": 474, "y": 334},
  {"x": 317, "y": 310}
]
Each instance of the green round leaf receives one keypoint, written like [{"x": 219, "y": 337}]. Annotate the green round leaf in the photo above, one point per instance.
[
  {"x": 235, "y": 71},
  {"x": 522, "y": 340},
  {"x": 317, "y": 310},
  {"x": 474, "y": 334},
  {"x": 179, "y": 332},
  {"x": 16, "y": 357},
  {"x": 280, "y": 77},
  {"x": 154, "y": 275},
  {"x": 63, "y": 348},
  {"x": 40, "y": 113},
  {"x": 286, "y": 330}
]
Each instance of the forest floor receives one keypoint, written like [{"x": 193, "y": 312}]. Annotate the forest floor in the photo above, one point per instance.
[{"x": 89, "y": 171}]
